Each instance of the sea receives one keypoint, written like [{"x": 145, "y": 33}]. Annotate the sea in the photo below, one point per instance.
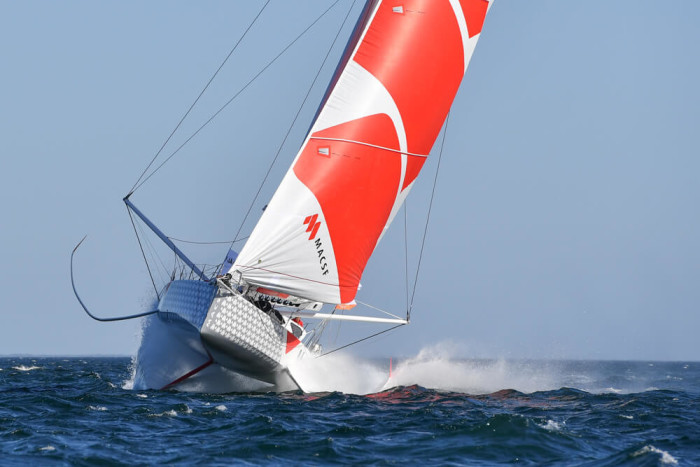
[{"x": 436, "y": 410}]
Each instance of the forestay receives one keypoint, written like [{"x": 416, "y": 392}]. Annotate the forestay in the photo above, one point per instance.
[{"x": 369, "y": 141}]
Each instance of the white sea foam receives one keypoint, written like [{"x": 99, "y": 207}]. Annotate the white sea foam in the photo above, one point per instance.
[
  {"x": 221, "y": 408},
  {"x": 26, "y": 368},
  {"x": 551, "y": 425},
  {"x": 435, "y": 367},
  {"x": 167, "y": 413},
  {"x": 47, "y": 448},
  {"x": 339, "y": 372},
  {"x": 99, "y": 408},
  {"x": 666, "y": 458}
]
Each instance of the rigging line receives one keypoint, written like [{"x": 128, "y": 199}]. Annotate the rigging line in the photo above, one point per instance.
[
  {"x": 405, "y": 256},
  {"x": 133, "y": 188},
  {"x": 133, "y": 224},
  {"x": 427, "y": 220},
  {"x": 156, "y": 262},
  {"x": 155, "y": 258},
  {"x": 221, "y": 109},
  {"x": 174, "y": 271},
  {"x": 308, "y": 92},
  {"x": 340, "y": 324},
  {"x": 205, "y": 243},
  {"x": 337, "y": 329},
  {"x": 360, "y": 340},
  {"x": 377, "y": 309},
  {"x": 319, "y": 331}
]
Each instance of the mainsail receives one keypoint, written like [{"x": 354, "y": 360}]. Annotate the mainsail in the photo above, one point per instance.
[{"x": 365, "y": 149}]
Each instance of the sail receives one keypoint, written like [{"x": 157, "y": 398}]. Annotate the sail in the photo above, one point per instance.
[{"x": 365, "y": 149}]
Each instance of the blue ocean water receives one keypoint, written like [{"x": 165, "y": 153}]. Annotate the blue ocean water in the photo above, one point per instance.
[{"x": 83, "y": 411}]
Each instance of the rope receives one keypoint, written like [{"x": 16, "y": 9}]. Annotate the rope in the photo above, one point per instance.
[
  {"x": 405, "y": 256},
  {"x": 377, "y": 309},
  {"x": 228, "y": 242},
  {"x": 133, "y": 224},
  {"x": 308, "y": 92},
  {"x": 155, "y": 257},
  {"x": 360, "y": 340},
  {"x": 427, "y": 220},
  {"x": 137, "y": 185},
  {"x": 233, "y": 98}
]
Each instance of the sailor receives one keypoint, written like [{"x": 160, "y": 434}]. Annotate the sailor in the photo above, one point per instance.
[{"x": 267, "y": 307}]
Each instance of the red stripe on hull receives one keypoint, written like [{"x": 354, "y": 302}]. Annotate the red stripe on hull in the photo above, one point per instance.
[{"x": 190, "y": 374}]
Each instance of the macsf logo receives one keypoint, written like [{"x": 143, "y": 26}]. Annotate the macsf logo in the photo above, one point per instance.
[{"x": 313, "y": 225}]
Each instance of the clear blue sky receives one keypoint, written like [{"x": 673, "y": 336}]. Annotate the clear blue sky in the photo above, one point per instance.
[{"x": 565, "y": 222}]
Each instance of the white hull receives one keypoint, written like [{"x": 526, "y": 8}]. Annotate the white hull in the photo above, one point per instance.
[{"x": 207, "y": 338}]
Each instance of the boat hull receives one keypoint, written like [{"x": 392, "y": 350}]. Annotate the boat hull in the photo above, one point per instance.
[
  {"x": 201, "y": 326},
  {"x": 243, "y": 338}
]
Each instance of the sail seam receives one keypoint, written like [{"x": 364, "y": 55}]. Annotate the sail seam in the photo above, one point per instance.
[
  {"x": 369, "y": 144},
  {"x": 285, "y": 274}
]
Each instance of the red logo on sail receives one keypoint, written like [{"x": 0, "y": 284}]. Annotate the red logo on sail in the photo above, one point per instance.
[{"x": 313, "y": 225}]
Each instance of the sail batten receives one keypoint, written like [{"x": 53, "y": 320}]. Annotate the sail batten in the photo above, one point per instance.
[
  {"x": 370, "y": 139},
  {"x": 319, "y": 138}
]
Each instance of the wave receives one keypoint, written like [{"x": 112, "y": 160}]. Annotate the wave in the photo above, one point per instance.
[
  {"x": 663, "y": 456},
  {"x": 26, "y": 368}
]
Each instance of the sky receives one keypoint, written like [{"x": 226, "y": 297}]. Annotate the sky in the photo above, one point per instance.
[{"x": 564, "y": 223}]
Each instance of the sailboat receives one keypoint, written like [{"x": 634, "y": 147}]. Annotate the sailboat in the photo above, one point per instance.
[{"x": 381, "y": 115}]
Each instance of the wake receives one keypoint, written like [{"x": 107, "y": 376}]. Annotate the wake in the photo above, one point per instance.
[
  {"x": 435, "y": 367},
  {"x": 439, "y": 367}
]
